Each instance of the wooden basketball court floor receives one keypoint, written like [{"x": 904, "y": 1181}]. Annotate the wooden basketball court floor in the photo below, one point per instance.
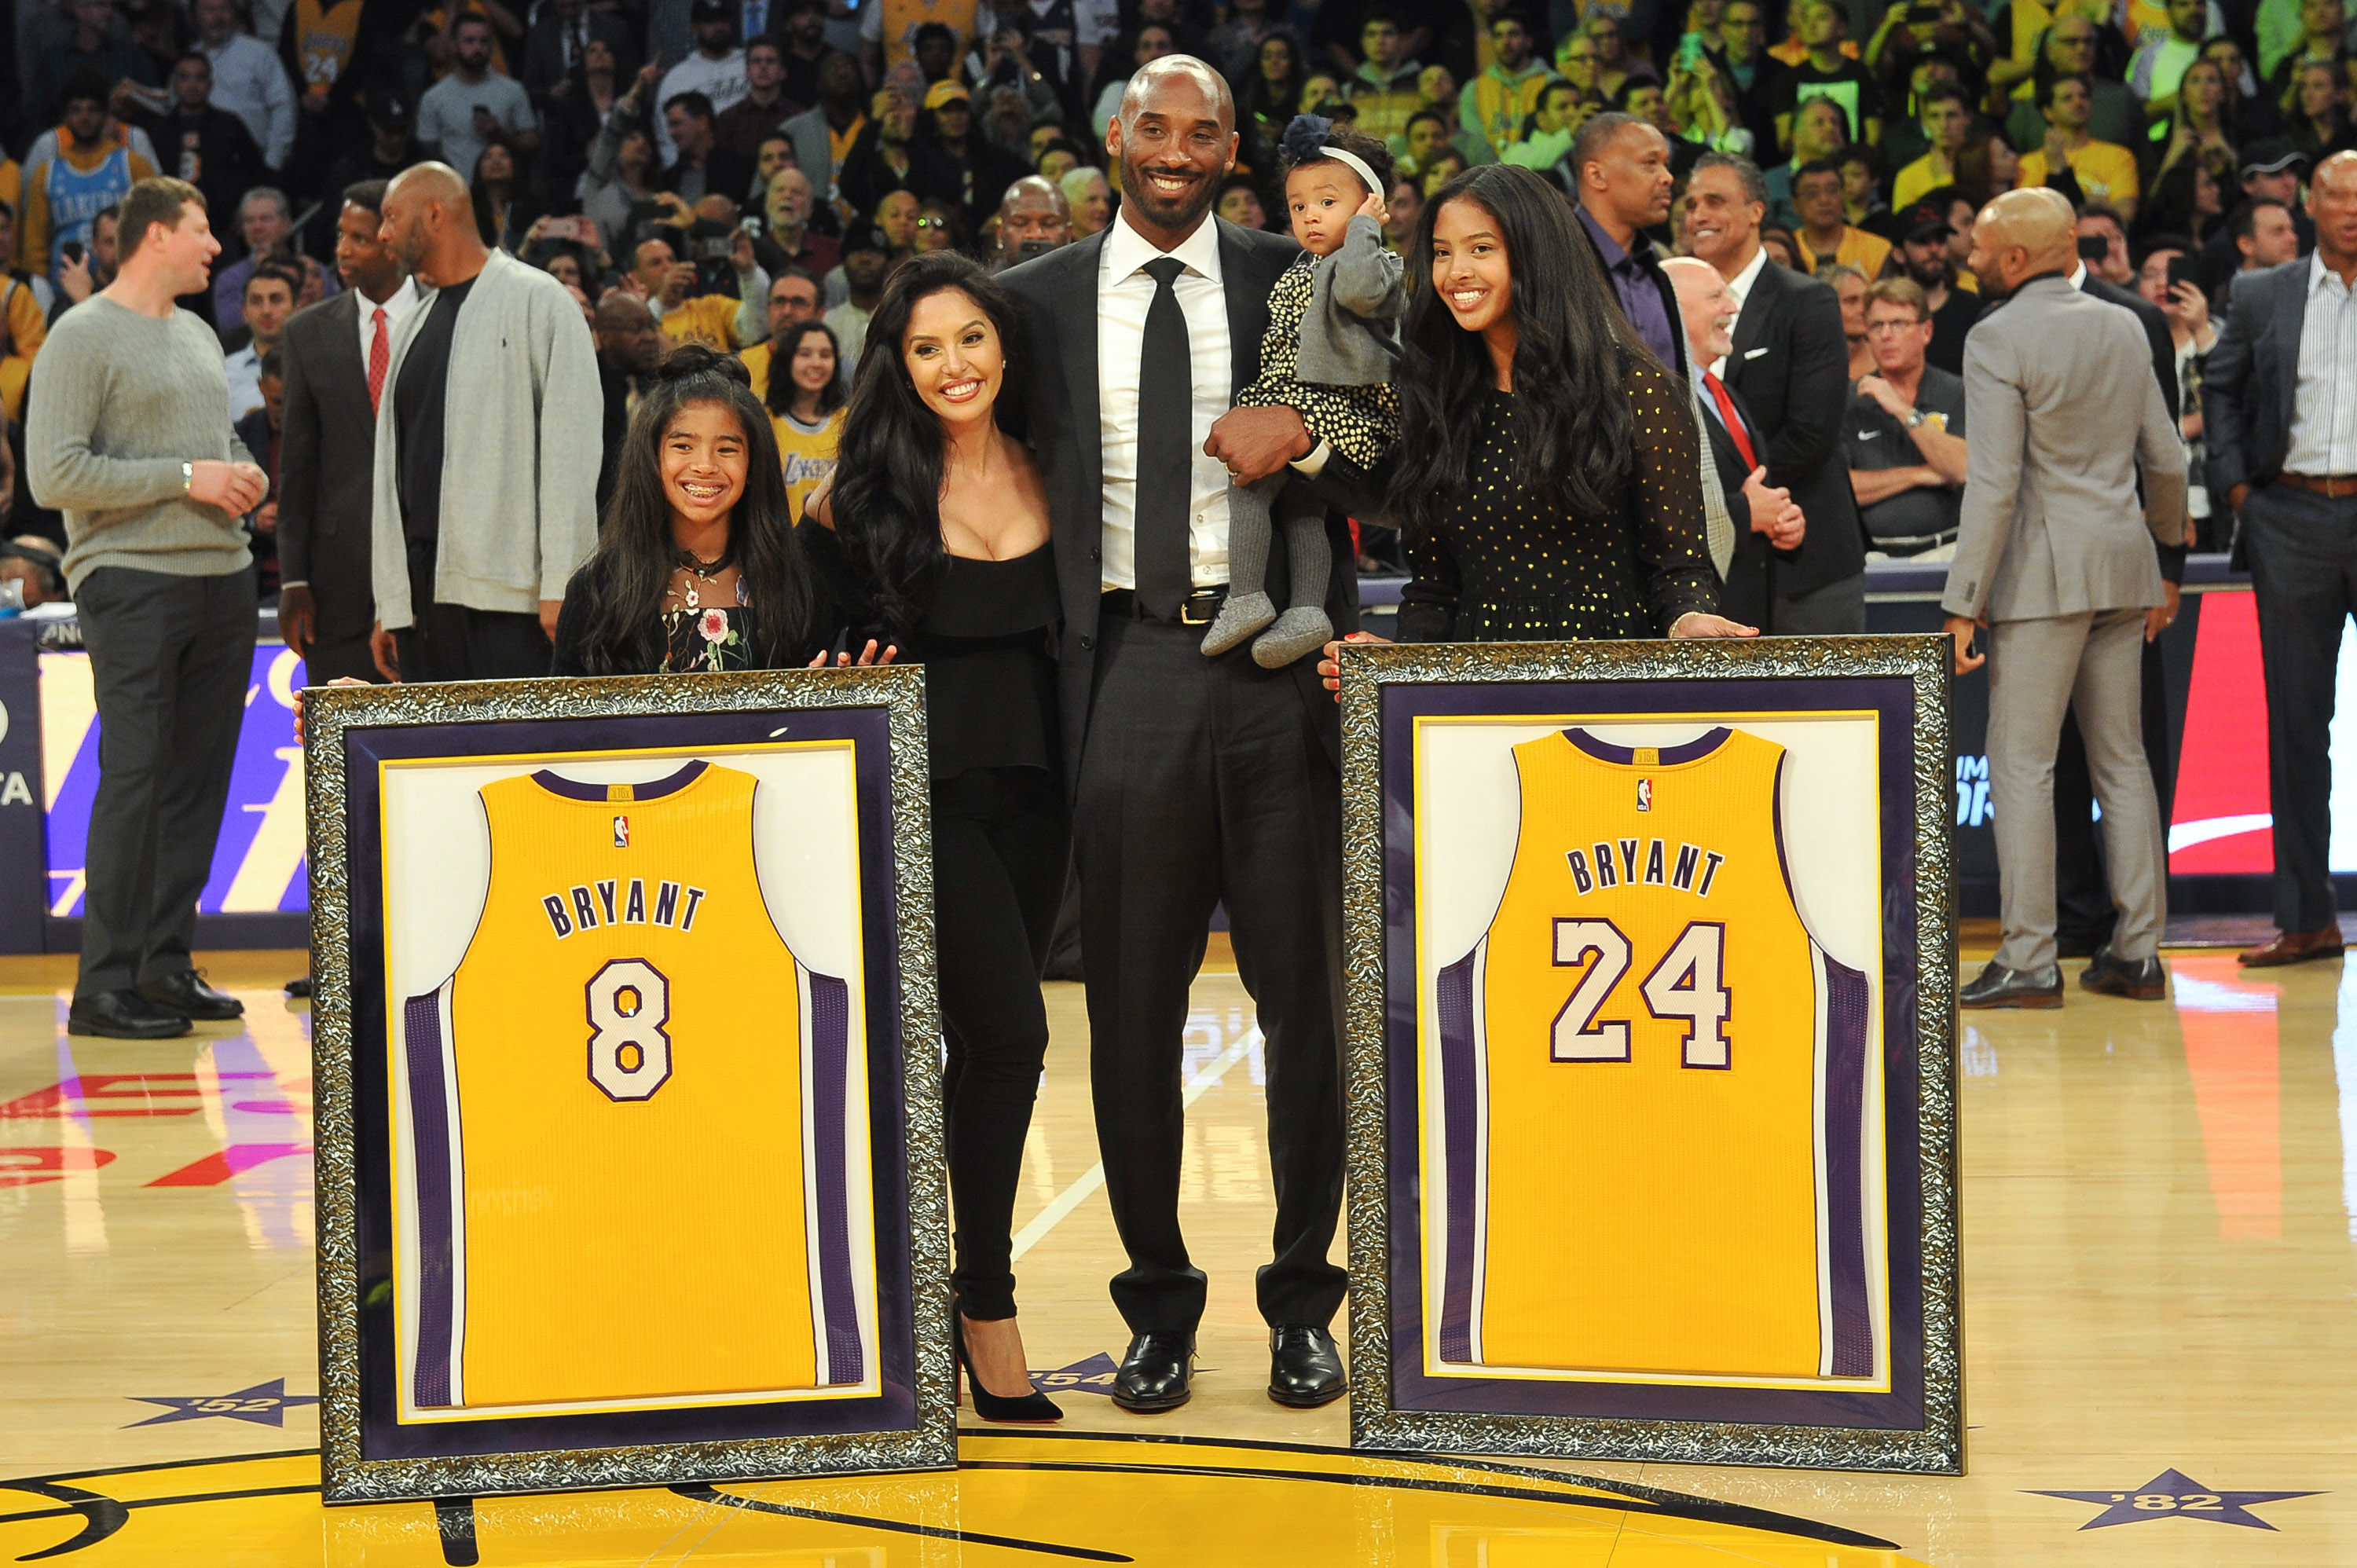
[{"x": 2160, "y": 1288}]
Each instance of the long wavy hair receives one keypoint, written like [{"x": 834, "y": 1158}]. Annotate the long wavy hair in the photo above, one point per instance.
[
  {"x": 629, "y": 574},
  {"x": 782, "y": 371},
  {"x": 886, "y": 503},
  {"x": 1572, "y": 356}
]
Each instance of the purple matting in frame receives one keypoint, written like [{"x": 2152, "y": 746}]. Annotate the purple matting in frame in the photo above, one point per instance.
[
  {"x": 894, "y": 1407},
  {"x": 1892, "y": 697}
]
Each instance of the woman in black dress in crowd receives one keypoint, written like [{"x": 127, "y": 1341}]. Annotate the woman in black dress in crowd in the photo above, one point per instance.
[
  {"x": 932, "y": 534},
  {"x": 695, "y": 567},
  {"x": 1547, "y": 485}
]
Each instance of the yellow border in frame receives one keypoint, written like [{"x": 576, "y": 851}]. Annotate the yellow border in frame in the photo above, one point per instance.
[
  {"x": 856, "y": 1025},
  {"x": 1878, "y": 1191}
]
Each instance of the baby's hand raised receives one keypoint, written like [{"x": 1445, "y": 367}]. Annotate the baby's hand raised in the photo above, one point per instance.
[{"x": 1374, "y": 207}]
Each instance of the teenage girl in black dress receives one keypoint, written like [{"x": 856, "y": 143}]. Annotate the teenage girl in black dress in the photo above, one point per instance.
[{"x": 932, "y": 536}]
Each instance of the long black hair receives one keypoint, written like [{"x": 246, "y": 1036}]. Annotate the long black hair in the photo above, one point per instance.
[
  {"x": 1571, "y": 357},
  {"x": 781, "y": 389},
  {"x": 886, "y": 503},
  {"x": 629, "y": 574}
]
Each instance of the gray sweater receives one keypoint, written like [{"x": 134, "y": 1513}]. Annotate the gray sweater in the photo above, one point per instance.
[{"x": 119, "y": 401}]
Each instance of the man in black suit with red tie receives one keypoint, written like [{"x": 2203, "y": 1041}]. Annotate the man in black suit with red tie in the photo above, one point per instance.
[
  {"x": 336, "y": 356},
  {"x": 1768, "y": 525},
  {"x": 1196, "y": 781}
]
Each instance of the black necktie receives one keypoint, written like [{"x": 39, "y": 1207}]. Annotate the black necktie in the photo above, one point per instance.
[{"x": 1165, "y": 449}]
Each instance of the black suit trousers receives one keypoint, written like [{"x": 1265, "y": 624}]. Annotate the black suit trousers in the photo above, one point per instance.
[
  {"x": 2304, "y": 573},
  {"x": 1204, "y": 781},
  {"x": 170, "y": 659}
]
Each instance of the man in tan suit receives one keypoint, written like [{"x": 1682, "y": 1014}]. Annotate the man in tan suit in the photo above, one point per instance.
[{"x": 2055, "y": 557}]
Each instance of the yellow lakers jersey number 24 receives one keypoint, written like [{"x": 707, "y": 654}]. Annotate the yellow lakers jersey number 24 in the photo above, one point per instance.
[
  {"x": 1652, "y": 1081},
  {"x": 628, "y": 1105}
]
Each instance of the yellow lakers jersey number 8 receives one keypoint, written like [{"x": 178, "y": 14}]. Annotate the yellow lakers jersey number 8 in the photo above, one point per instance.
[
  {"x": 627, "y": 1106},
  {"x": 1650, "y": 1086}
]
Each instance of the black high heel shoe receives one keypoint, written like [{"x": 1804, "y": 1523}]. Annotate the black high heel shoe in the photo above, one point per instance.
[{"x": 1033, "y": 1408}]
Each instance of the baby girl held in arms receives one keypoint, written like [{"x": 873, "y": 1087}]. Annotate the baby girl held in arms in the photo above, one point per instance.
[{"x": 1332, "y": 326}]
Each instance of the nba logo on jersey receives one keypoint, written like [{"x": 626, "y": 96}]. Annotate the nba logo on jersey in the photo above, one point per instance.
[
  {"x": 621, "y": 832},
  {"x": 1645, "y": 1152}
]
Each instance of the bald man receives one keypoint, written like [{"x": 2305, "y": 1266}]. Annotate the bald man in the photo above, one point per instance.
[
  {"x": 1033, "y": 219},
  {"x": 1195, "y": 780},
  {"x": 486, "y": 449},
  {"x": 2055, "y": 559}
]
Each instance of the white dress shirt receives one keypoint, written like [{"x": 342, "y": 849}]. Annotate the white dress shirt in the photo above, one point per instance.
[
  {"x": 249, "y": 82},
  {"x": 1738, "y": 287},
  {"x": 396, "y": 308},
  {"x": 243, "y": 370},
  {"x": 2323, "y": 405},
  {"x": 1124, "y": 294}
]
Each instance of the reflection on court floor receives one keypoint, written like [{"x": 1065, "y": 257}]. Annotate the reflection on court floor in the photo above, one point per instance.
[{"x": 2160, "y": 1242}]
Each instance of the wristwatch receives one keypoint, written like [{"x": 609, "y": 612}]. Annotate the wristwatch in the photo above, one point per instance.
[
  {"x": 1916, "y": 417},
  {"x": 187, "y": 477}
]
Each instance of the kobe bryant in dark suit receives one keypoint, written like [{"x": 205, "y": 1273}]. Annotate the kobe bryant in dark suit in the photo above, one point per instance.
[{"x": 1196, "y": 781}]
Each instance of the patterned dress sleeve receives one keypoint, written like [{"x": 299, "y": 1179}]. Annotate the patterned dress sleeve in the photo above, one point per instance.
[
  {"x": 1667, "y": 508},
  {"x": 1428, "y": 610}
]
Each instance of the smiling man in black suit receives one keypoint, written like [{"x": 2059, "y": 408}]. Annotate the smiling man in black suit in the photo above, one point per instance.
[
  {"x": 1195, "y": 780},
  {"x": 1790, "y": 367}
]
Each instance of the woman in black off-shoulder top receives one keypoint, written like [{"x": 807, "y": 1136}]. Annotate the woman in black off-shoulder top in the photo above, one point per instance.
[{"x": 931, "y": 535}]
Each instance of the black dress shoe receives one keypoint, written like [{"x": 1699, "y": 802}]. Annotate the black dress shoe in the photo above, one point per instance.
[
  {"x": 299, "y": 988},
  {"x": 123, "y": 1015},
  {"x": 1305, "y": 1371},
  {"x": 2142, "y": 978},
  {"x": 1154, "y": 1373},
  {"x": 2001, "y": 987},
  {"x": 188, "y": 994}
]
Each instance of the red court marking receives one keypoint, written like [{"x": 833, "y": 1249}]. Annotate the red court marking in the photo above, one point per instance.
[
  {"x": 115, "y": 1094},
  {"x": 215, "y": 1169},
  {"x": 29, "y": 1167}
]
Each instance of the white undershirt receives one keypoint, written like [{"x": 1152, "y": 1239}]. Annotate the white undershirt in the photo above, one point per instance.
[
  {"x": 1738, "y": 288},
  {"x": 1124, "y": 294}
]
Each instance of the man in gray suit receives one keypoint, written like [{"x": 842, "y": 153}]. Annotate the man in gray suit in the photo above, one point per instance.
[
  {"x": 2051, "y": 557},
  {"x": 2282, "y": 446}
]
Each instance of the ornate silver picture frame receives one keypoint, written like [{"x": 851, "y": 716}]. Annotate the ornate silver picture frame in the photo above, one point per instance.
[
  {"x": 457, "y": 1089},
  {"x": 1563, "y": 1241}
]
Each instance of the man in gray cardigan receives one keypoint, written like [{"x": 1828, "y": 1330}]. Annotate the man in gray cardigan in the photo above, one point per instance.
[
  {"x": 129, "y": 436},
  {"x": 2055, "y": 560},
  {"x": 488, "y": 443}
]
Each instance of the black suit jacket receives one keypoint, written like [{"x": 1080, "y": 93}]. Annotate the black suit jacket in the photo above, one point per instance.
[
  {"x": 1056, "y": 296},
  {"x": 1791, "y": 366},
  {"x": 1743, "y": 593},
  {"x": 327, "y": 465},
  {"x": 1660, "y": 282},
  {"x": 2164, "y": 369},
  {"x": 2250, "y": 378}
]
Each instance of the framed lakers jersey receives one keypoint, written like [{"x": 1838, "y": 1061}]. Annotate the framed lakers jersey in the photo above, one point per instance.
[
  {"x": 1652, "y": 957},
  {"x": 617, "y": 980}
]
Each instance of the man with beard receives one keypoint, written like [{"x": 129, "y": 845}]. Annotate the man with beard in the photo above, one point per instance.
[
  {"x": 459, "y": 114},
  {"x": 337, "y": 357},
  {"x": 1924, "y": 253},
  {"x": 1195, "y": 781},
  {"x": 471, "y": 548}
]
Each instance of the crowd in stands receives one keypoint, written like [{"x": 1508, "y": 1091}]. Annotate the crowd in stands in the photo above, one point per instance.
[{"x": 746, "y": 175}]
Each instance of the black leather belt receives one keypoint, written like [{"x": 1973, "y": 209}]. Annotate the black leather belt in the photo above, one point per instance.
[{"x": 1198, "y": 609}]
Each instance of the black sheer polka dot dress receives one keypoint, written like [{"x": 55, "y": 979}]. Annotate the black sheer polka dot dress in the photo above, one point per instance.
[{"x": 1503, "y": 566}]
